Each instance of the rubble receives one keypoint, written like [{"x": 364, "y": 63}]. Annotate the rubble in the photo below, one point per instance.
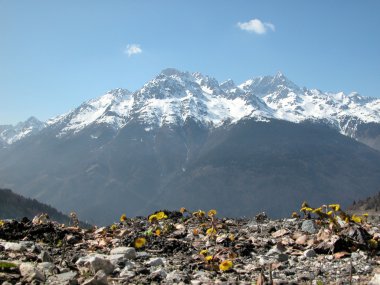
[{"x": 182, "y": 248}]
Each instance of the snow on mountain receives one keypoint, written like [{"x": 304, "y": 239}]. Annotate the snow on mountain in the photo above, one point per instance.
[
  {"x": 10, "y": 134},
  {"x": 174, "y": 96},
  {"x": 292, "y": 103},
  {"x": 110, "y": 109}
]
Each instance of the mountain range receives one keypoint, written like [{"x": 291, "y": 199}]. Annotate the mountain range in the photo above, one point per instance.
[{"x": 184, "y": 139}]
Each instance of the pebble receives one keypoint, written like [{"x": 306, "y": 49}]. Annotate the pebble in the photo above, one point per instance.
[
  {"x": 129, "y": 252},
  {"x": 309, "y": 227},
  {"x": 309, "y": 253},
  {"x": 157, "y": 261},
  {"x": 30, "y": 272},
  {"x": 106, "y": 257}
]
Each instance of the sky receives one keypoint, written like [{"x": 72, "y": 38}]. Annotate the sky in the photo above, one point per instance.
[{"x": 54, "y": 55}]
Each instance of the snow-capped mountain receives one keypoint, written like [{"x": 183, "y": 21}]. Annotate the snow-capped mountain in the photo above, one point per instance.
[
  {"x": 173, "y": 96},
  {"x": 184, "y": 139},
  {"x": 10, "y": 134}
]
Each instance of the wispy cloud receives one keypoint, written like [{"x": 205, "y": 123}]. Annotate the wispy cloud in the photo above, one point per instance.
[
  {"x": 133, "y": 49},
  {"x": 256, "y": 26}
]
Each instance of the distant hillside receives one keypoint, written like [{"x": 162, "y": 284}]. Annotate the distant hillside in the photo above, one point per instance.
[
  {"x": 369, "y": 204},
  {"x": 14, "y": 206}
]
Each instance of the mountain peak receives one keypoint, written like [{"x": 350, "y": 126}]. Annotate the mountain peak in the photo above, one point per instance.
[{"x": 172, "y": 71}]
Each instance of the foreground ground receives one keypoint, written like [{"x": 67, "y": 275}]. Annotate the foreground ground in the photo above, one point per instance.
[{"x": 192, "y": 248}]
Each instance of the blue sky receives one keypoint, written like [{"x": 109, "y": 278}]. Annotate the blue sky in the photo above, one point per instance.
[{"x": 56, "y": 54}]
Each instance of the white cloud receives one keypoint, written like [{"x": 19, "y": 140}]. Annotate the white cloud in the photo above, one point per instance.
[
  {"x": 133, "y": 49},
  {"x": 256, "y": 26}
]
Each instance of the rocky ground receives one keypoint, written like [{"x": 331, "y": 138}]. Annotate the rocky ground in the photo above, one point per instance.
[{"x": 190, "y": 248}]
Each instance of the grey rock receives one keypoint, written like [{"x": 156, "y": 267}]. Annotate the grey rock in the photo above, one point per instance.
[
  {"x": 276, "y": 249},
  {"x": 159, "y": 272},
  {"x": 375, "y": 280},
  {"x": 129, "y": 252},
  {"x": 45, "y": 257},
  {"x": 100, "y": 278},
  {"x": 117, "y": 259},
  {"x": 30, "y": 272},
  {"x": 67, "y": 278},
  {"x": 127, "y": 273},
  {"x": 14, "y": 246},
  {"x": 97, "y": 263},
  {"x": 309, "y": 226},
  {"x": 157, "y": 261},
  {"x": 175, "y": 276},
  {"x": 282, "y": 257},
  {"x": 47, "y": 268},
  {"x": 309, "y": 253}
]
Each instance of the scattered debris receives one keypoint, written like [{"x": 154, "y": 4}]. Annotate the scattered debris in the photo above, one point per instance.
[{"x": 192, "y": 248}]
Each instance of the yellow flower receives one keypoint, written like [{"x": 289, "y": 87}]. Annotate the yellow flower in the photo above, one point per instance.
[
  {"x": 356, "y": 219},
  {"x": 113, "y": 227},
  {"x": 335, "y": 207},
  {"x": 211, "y": 231},
  {"x": 306, "y": 209},
  {"x": 153, "y": 218},
  {"x": 211, "y": 213},
  {"x": 139, "y": 242},
  {"x": 195, "y": 232},
  {"x": 161, "y": 215},
  {"x": 365, "y": 215},
  {"x": 199, "y": 214},
  {"x": 183, "y": 210},
  {"x": 208, "y": 258},
  {"x": 373, "y": 243},
  {"x": 295, "y": 215},
  {"x": 1, "y": 223},
  {"x": 225, "y": 265},
  {"x": 123, "y": 218},
  {"x": 203, "y": 252},
  {"x": 231, "y": 237},
  {"x": 158, "y": 232},
  {"x": 317, "y": 210}
]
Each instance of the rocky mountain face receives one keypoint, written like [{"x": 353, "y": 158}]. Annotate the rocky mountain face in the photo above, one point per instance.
[
  {"x": 184, "y": 139},
  {"x": 10, "y": 134}
]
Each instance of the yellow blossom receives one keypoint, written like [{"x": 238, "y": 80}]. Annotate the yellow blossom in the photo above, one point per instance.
[
  {"x": 356, "y": 219},
  {"x": 329, "y": 213},
  {"x": 211, "y": 213},
  {"x": 231, "y": 237},
  {"x": 113, "y": 227},
  {"x": 183, "y": 210},
  {"x": 158, "y": 232},
  {"x": 306, "y": 209},
  {"x": 335, "y": 207},
  {"x": 153, "y": 218},
  {"x": 1, "y": 223},
  {"x": 203, "y": 252},
  {"x": 295, "y": 215},
  {"x": 373, "y": 243},
  {"x": 365, "y": 215},
  {"x": 161, "y": 215},
  {"x": 123, "y": 218},
  {"x": 139, "y": 242},
  {"x": 317, "y": 210},
  {"x": 199, "y": 214},
  {"x": 225, "y": 265},
  {"x": 195, "y": 232},
  {"x": 208, "y": 258},
  {"x": 211, "y": 231}
]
